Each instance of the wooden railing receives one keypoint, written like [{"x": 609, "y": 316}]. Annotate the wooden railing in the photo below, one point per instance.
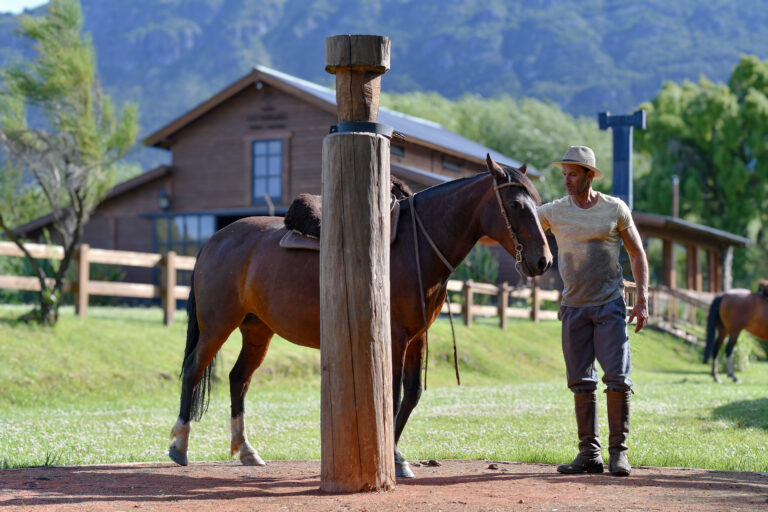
[
  {"x": 468, "y": 309},
  {"x": 665, "y": 305},
  {"x": 83, "y": 287}
]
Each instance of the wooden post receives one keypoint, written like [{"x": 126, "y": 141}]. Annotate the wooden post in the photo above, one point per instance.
[
  {"x": 503, "y": 299},
  {"x": 669, "y": 278},
  {"x": 357, "y": 451},
  {"x": 82, "y": 276},
  {"x": 713, "y": 270},
  {"x": 693, "y": 277},
  {"x": 168, "y": 289},
  {"x": 469, "y": 297},
  {"x": 535, "y": 300}
]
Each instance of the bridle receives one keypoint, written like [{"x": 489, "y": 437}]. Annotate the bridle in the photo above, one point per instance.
[
  {"x": 416, "y": 220},
  {"x": 515, "y": 240},
  {"x": 496, "y": 188}
]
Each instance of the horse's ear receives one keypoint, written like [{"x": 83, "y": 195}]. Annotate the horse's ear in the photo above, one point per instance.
[
  {"x": 493, "y": 167},
  {"x": 524, "y": 168}
]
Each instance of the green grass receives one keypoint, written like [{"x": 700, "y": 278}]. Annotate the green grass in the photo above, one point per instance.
[{"x": 104, "y": 389}]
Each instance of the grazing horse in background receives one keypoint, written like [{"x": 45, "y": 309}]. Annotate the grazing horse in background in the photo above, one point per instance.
[
  {"x": 730, "y": 313},
  {"x": 244, "y": 279}
]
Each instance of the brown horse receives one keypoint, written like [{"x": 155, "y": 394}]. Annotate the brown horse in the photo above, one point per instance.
[
  {"x": 243, "y": 279},
  {"x": 729, "y": 314}
]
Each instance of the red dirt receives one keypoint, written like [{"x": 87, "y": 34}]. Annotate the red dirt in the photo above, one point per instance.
[{"x": 294, "y": 485}]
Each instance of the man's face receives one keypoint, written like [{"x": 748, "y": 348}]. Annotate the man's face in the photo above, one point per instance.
[{"x": 577, "y": 179}]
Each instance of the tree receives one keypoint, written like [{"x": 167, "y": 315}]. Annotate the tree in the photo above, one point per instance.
[
  {"x": 60, "y": 138},
  {"x": 714, "y": 137},
  {"x": 528, "y": 130}
]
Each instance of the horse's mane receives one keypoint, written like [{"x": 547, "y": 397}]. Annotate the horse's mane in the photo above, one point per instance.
[{"x": 516, "y": 175}]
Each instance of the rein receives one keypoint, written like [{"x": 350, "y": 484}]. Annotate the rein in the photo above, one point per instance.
[{"x": 415, "y": 219}]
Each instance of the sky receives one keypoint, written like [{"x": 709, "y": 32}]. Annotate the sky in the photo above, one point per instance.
[{"x": 17, "y": 6}]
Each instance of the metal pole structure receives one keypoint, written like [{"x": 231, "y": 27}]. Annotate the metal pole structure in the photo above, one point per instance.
[
  {"x": 357, "y": 433},
  {"x": 622, "y": 150}
]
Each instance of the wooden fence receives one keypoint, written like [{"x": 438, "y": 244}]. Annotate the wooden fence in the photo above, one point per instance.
[
  {"x": 83, "y": 287},
  {"x": 469, "y": 309},
  {"x": 665, "y": 310},
  {"x": 533, "y": 310}
]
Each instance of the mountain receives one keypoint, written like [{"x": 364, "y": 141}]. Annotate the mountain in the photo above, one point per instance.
[{"x": 586, "y": 56}]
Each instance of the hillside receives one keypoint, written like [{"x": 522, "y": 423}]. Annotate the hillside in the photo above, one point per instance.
[{"x": 586, "y": 56}]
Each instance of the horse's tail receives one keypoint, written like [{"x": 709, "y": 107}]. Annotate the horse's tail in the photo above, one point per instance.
[
  {"x": 713, "y": 322},
  {"x": 201, "y": 395}
]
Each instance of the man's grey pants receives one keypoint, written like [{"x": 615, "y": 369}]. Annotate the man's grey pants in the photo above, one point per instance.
[{"x": 596, "y": 332}]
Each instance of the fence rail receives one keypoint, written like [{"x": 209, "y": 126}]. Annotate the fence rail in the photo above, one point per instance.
[
  {"x": 468, "y": 309},
  {"x": 665, "y": 305},
  {"x": 83, "y": 287}
]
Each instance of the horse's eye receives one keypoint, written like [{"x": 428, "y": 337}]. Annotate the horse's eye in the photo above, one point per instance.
[{"x": 517, "y": 204}]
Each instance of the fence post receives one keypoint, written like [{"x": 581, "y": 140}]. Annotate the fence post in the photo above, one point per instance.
[
  {"x": 468, "y": 298},
  {"x": 503, "y": 301},
  {"x": 535, "y": 300},
  {"x": 168, "y": 288},
  {"x": 82, "y": 276}
]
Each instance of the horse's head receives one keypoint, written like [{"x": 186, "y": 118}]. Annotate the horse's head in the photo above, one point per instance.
[{"x": 516, "y": 225}]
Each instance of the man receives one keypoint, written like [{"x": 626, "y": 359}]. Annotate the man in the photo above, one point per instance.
[{"x": 589, "y": 228}]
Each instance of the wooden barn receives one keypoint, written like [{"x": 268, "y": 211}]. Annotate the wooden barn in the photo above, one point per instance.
[{"x": 249, "y": 150}]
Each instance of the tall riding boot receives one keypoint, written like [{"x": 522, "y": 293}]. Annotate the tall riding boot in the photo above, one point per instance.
[
  {"x": 589, "y": 459},
  {"x": 618, "y": 424}
]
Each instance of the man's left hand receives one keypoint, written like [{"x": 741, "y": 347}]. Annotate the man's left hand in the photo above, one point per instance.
[{"x": 639, "y": 312}]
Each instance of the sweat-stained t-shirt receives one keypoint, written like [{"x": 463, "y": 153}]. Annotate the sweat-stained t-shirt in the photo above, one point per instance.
[{"x": 588, "y": 243}]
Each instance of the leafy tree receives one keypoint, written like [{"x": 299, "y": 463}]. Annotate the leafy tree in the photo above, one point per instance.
[
  {"x": 528, "y": 130},
  {"x": 715, "y": 138},
  {"x": 60, "y": 138}
]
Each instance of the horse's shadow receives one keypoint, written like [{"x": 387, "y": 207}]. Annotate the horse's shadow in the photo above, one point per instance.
[{"x": 745, "y": 413}]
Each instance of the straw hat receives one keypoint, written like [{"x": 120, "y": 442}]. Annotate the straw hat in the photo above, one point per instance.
[{"x": 580, "y": 155}]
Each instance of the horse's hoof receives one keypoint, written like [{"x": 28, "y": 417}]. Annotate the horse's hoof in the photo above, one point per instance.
[
  {"x": 178, "y": 457},
  {"x": 403, "y": 470},
  {"x": 252, "y": 459},
  {"x": 736, "y": 380}
]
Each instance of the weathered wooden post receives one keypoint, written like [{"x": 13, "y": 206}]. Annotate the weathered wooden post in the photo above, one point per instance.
[
  {"x": 535, "y": 299},
  {"x": 168, "y": 289},
  {"x": 469, "y": 297},
  {"x": 357, "y": 435},
  {"x": 82, "y": 275},
  {"x": 503, "y": 300}
]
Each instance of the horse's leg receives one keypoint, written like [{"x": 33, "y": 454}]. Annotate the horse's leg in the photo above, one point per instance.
[
  {"x": 414, "y": 358},
  {"x": 206, "y": 343},
  {"x": 729, "y": 354},
  {"x": 256, "y": 338},
  {"x": 402, "y": 468},
  {"x": 718, "y": 344}
]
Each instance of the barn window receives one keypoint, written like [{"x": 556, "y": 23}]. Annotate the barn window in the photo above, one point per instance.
[
  {"x": 396, "y": 150},
  {"x": 451, "y": 165},
  {"x": 267, "y": 171}
]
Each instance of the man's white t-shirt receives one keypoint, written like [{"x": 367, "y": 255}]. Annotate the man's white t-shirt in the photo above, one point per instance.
[{"x": 588, "y": 244}]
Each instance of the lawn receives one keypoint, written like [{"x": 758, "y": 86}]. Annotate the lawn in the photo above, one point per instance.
[{"x": 104, "y": 389}]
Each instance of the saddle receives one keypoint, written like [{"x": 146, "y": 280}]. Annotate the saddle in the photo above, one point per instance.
[{"x": 304, "y": 218}]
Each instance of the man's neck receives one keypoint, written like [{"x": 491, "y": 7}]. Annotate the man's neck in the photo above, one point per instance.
[{"x": 585, "y": 200}]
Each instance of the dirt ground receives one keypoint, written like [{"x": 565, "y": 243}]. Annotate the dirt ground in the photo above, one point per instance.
[{"x": 294, "y": 485}]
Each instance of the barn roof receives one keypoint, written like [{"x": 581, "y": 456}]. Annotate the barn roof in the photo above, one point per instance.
[{"x": 416, "y": 129}]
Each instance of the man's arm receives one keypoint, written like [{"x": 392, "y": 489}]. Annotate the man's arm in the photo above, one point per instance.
[{"x": 637, "y": 259}]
